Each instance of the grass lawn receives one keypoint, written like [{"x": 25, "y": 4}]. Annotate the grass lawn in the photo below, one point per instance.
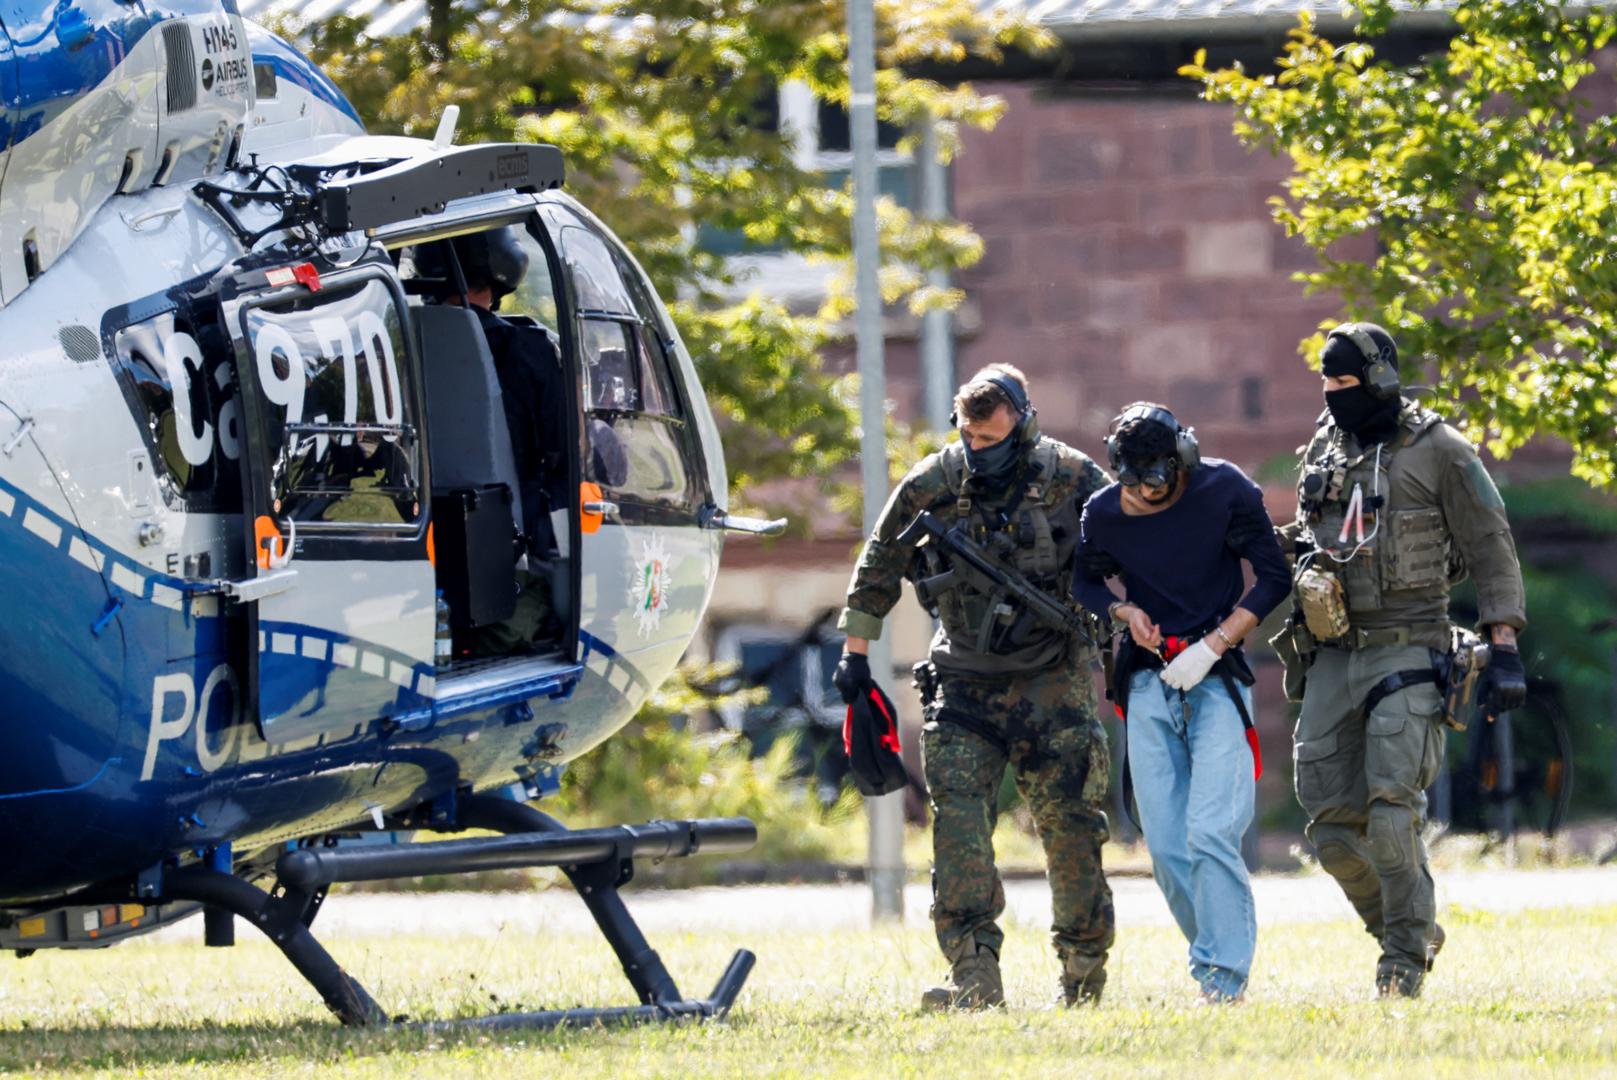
[{"x": 1530, "y": 992}]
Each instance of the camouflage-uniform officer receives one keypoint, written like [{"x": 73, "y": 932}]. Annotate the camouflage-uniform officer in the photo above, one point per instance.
[
  {"x": 1397, "y": 506},
  {"x": 1001, "y": 695}
]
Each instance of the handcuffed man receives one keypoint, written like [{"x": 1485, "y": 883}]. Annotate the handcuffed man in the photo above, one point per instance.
[{"x": 1174, "y": 530}]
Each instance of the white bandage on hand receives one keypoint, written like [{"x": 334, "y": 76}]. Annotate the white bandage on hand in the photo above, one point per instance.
[{"x": 1190, "y": 667}]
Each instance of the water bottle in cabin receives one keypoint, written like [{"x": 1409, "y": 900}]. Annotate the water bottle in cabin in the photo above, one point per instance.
[{"x": 443, "y": 648}]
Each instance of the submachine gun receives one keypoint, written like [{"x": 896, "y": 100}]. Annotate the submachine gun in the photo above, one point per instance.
[{"x": 956, "y": 559}]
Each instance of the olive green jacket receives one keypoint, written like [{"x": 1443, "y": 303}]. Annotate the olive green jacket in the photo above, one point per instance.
[
  {"x": 1442, "y": 517},
  {"x": 1039, "y": 540}
]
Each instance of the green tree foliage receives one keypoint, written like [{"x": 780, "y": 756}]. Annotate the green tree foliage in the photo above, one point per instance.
[
  {"x": 1488, "y": 177},
  {"x": 657, "y": 110}
]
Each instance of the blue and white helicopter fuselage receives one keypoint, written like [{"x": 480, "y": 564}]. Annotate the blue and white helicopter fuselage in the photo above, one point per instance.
[{"x": 224, "y": 409}]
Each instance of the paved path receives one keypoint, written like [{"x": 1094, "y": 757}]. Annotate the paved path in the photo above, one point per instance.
[{"x": 767, "y": 908}]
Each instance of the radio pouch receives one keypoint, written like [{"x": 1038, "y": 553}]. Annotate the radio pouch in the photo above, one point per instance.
[{"x": 1324, "y": 603}]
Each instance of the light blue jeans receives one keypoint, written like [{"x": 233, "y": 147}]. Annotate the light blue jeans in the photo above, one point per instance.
[{"x": 1194, "y": 786}]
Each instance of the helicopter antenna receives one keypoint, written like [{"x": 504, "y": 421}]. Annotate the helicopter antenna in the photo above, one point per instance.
[{"x": 445, "y": 138}]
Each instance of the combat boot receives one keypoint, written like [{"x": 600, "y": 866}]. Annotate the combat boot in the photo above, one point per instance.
[
  {"x": 974, "y": 983},
  {"x": 1398, "y": 981},
  {"x": 1394, "y": 980},
  {"x": 1083, "y": 978},
  {"x": 1435, "y": 946}
]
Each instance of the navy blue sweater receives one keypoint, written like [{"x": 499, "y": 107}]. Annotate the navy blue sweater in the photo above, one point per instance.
[{"x": 1182, "y": 565}]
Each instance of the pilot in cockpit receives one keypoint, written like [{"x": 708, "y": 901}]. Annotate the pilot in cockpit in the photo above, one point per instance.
[{"x": 527, "y": 364}]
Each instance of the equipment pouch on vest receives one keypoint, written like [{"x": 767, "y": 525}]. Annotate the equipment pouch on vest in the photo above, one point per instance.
[
  {"x": 1295, "y": 647},
  {"x": 1323, "y": 602},
  {"x": 1415, "y": 553}
]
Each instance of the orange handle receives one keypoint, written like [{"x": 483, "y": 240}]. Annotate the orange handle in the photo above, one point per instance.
[
  {"x": 267, "y": 541},
  {"x": 588, "y": 521}
]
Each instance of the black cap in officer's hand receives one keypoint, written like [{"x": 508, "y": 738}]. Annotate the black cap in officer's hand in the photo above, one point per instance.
[{"x": 870, "y": 737}]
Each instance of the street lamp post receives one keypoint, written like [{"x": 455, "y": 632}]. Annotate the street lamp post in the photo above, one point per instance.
[{"x": 886, "y": 812}]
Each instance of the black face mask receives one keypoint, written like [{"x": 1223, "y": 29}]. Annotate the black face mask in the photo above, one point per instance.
[
  {"x": 1366, "y": 418},
  {"x": 993, "y": 464},
  {"x": 1162, "y": 473}
]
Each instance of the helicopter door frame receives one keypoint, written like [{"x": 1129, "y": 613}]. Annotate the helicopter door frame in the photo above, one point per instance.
[
  {"x": 533, "y": 224},
  {"x": 524, "y": 215},
  {"x": 336, "y": 504}
]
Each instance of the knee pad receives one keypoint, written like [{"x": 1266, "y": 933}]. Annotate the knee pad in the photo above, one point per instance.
[
  {"x": 1390, "y": 837},
  {"x": 1338, "y": 848}
]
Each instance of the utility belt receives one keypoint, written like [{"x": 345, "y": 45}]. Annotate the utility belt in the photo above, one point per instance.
[
  {"x": 1323, "y": 610},
  {"x": 1458, "y": 658},
  {"x": 927, "y": 681},
  {"x": 1431, "y": 634}
]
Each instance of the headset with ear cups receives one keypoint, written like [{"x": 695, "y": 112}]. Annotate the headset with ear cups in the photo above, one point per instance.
[
  {"x": 1381, "y": 361},
  {"x": 1026, "y": 423},
  {"x": 1187, "y": 452}
]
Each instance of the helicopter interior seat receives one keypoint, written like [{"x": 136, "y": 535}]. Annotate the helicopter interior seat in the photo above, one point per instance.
[{"x": 477, "y": 499}]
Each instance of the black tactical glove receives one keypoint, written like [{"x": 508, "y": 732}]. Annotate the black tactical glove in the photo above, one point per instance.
[
  {"x": 1507, "y": 680},
  {"x": 852, "y": 678}
]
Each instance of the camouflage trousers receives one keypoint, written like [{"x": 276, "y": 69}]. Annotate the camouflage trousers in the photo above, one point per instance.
[
  {"x": 1362, "y": 780},
  {"x": 1044, "y": 727}
]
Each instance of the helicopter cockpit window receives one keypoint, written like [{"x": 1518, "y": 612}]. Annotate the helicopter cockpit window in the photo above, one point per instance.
[
  {"x": 179, "y": 386},
  {"x": 637, "y": 443},
  {"x": 331, "y": 367},
  {"x": 625, "y": 360},
  {"x": 596, "y": 278}
]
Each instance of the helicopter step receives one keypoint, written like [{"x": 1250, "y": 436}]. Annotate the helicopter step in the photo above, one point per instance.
[{"x": 597, "y": 861}]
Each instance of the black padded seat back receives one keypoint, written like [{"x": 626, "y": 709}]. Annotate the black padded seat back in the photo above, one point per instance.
[{"x": 470, "y": 445}]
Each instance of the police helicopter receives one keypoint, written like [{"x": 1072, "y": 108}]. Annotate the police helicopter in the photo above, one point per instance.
[{"x": 247, "y": 443}]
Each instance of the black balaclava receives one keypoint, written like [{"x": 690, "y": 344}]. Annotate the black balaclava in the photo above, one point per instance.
[
  {"x": 994, "y": 465},
  {"x": 1147, "y": 449},
  {"x": 1367, "y": 418}
]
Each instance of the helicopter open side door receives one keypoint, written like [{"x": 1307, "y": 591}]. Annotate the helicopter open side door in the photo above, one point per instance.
[{"x": 335, "y": 501}]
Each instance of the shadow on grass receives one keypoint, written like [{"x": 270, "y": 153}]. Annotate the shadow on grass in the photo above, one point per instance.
[{"x": 129, "y": 1046}]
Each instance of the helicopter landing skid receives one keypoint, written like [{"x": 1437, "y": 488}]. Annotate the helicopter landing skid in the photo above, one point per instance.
[{"x": 597, "y": 861}]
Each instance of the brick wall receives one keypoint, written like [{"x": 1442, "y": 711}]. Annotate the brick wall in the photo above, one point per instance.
[{"x": 1130, "y": 254}]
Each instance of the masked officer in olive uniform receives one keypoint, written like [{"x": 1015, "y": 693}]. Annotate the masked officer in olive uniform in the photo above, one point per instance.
[
  {"x": 999, "y": 694},
  {"x": 1395, "y": 506}
]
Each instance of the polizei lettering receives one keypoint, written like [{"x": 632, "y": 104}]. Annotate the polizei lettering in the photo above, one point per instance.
[
  {"x": 179, "y": 707},
  {"x": 209, "y": 724}
]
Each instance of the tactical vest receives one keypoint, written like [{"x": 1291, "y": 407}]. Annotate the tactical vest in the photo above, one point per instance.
[
  {"x": 1400, "y": 574},
  {"x": 1019, "y": 527}
]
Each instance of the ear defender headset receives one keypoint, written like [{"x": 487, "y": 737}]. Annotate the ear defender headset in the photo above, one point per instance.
[
  {"x": 1187, "y": 454},
  {"x": 1026, "y": 424},
  {"x": 1381, "y": 361}
]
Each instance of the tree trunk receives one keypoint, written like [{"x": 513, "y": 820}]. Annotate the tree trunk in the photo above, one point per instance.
[{"x": 438, "y": 28}]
